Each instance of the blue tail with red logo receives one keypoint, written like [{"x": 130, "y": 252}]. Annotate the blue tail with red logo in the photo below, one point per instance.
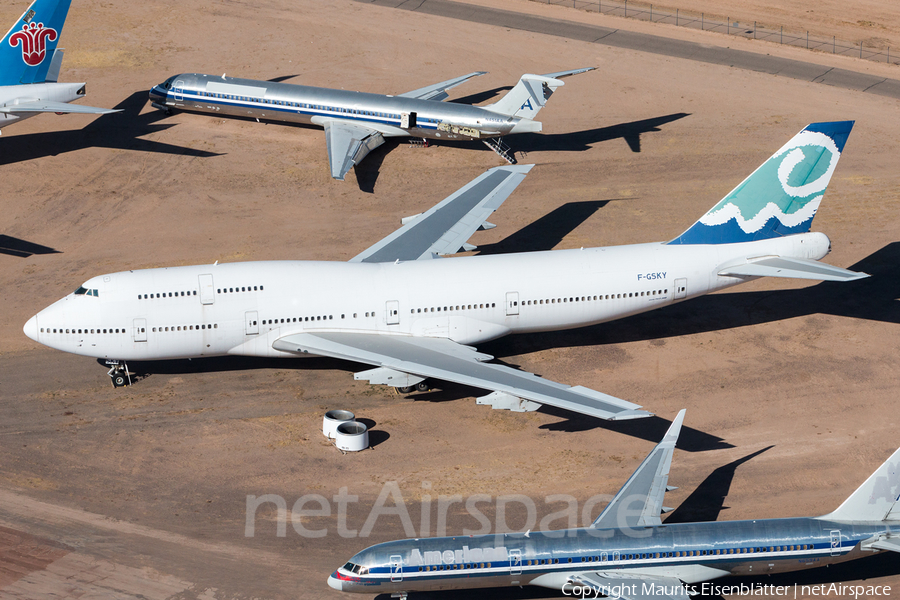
[{"x": 28, "y": 48}]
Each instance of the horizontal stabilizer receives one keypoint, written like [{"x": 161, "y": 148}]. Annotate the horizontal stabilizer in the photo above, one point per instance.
[
  {"x": 438, "y": 91},
  {"x": 444, "y": 359},
  {"x": 892, "y": 544},
  {"x": 45, "y": 106},
  {"x": 561, "y": 74},
  {"x": 446, "y": 227},
  {"x": 795, "y": 268},
  {"x": 639, "y": 502}
]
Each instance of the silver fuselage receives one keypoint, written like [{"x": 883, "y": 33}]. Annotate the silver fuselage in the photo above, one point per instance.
[
  {"x": 391, "y": 116},
  {"x": 691, "y": 552}
]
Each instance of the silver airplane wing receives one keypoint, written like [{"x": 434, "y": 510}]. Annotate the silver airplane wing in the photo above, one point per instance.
[
  {"x": 45, "y": 106},
  {"x": 444, "y": 359},
  {"x": 626, "y": 586},
  {"x": 561, "y": 74},
  {"x": 348, "y": 144},
  {"x": 446, "y": 227},
  {"x": 438, "y": 91},
  {"x": 639, "y": 502}
]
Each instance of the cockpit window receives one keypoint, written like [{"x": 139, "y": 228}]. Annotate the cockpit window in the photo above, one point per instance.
[
  {"x": 83, "y": 291},
  {"x": 349, "y": 566},
  {"x": 168, "y": 83}
]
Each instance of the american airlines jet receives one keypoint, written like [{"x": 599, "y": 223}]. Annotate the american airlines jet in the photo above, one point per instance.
[
  {"x": 628, "y": 553},
  {"x": 365, "y": 311},
  {"x": 356, "y": 122},
  {"x": 30, "y": 63}
]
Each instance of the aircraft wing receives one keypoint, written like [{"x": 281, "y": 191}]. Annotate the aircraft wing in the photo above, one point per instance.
[
  {"x": 446, "y": 227},
  {"x": 561, "y": 74},
  {"x": 441, "y": 358},
  {"x": 625, "y": 586},
  {"x": 438, "y": 91},
  {"x": 639, "y": 502},
  {"x": 795, "y": 268},
  {"x": 43, "y": 106},
  {"x": 348, "y": 143}
]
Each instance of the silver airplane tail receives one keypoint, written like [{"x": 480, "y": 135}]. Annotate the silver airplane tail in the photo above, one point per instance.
[
  {"x": 531, "y": 94},
  {"x": 876, "y": 499}
]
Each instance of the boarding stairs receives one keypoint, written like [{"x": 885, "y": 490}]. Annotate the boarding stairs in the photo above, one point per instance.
[{"x": 502, "y": 150}]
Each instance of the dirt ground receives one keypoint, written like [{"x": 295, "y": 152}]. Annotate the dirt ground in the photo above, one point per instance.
[{"x": 790, "y": 388}]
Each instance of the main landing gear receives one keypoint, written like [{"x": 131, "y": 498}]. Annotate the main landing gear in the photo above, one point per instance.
[
  {"x": 422, "y": 386},
  {"x": 119, "y": 373}
]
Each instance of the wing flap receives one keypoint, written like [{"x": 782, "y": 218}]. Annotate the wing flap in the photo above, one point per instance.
[
  {"x": 348, "y": 144},
  {"x": 621, "y": 586},
  {"x": 795, "y": 268},
  {"x": 639, "y": 502},
  {"x": 438, "y": 91},
  {"x": 45, "y": 106},
  {"x": 444, "y": 359},
  {"x": 447, "y": 226}
]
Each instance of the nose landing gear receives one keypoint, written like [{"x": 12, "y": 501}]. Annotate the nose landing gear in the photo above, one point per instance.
[{"x": 119, "y": 373}]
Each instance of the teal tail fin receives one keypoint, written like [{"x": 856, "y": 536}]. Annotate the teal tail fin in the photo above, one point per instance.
[
  {"x": 27, "y": 49},
  {"x": 779, "y": 198}
]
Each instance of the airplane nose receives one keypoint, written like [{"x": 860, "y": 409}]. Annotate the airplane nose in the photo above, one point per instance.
[
  {"x": 334, "y": 582},
  {"x": 31, "y": 328}
]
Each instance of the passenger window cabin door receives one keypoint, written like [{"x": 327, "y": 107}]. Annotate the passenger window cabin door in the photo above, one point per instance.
[
  {"x": 396, "y": 568},
  {"x": 515, "y": 562},
  {"x": 680, "y": 288},
  {"x": 392, "y": 312},
  {"x": 512, "y": 303},
  {"x": 140, "y": 330},
  {"x": 178, "y": 90},
  {"x": 207, "y": 290},
  {"x": 251, "y": 322}
]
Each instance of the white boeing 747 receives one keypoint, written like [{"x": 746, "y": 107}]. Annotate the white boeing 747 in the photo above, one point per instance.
[
  {"x": 356, "y": 122},
  {"x": 365, "y": 311},
  {"x": 30, "y": 63}
]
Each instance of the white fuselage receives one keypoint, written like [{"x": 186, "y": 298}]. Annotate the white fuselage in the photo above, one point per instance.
[
  {"x": 243, "y": 308},
  {"x": 11, "y": 95}
]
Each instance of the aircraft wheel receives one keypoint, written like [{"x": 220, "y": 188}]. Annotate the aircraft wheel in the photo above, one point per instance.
[
  {"x": 422, "y": 386},
  {"x": 406, "y": 389},
  {"x": 119, "y": 379}
]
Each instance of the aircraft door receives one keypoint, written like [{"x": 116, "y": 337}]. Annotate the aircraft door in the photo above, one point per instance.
[
  {"x": 140, "y": 330},
  {"x": 407, "y": 120},
  {"x": 835, "y": 542},
  {"x": 251, "y": 320},
  {"x": 178, "y": 90},
  {"x": 680, "y": 288},
  {"x": 392, "y": 312},
  {"x": 207, "y": 293},
  {"x": 515, "y": 562},
  {"x": 396, "y": 568},
  {"x": 512, "y": 303}
]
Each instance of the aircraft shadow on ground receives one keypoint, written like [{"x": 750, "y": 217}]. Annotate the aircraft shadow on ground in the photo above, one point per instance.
[
  {"x": 368, "y": 170},
  {"x": 21, "y": 248},
  {"x": 122, "y": 131},
  {"x": 707, "y": 501}
]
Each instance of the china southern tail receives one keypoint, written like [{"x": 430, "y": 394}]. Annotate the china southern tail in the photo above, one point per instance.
[{"x": 30, "y": 63}]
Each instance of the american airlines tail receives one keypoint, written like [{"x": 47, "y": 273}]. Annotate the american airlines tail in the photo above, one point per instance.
[
  {"x": 31, "y": 40},
  {"x": 876, "y": 499},
  {"x": 528, "y": 97},
  {"x": 781, "y": 197}
]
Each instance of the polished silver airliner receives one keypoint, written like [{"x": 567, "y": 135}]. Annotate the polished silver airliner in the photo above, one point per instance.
[
  {"x": 30, "y": 64},
  {"x": 628, "y": 553},
  {"x": 366, "y": 311},
  {"x": 357, "y": 122}
]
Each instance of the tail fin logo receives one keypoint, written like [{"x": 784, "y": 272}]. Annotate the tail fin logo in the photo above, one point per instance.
[
  {"x": 33, "y": 39},
  {"x": 802, "y": 168},
  {"x": 527, "y": 104}
]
